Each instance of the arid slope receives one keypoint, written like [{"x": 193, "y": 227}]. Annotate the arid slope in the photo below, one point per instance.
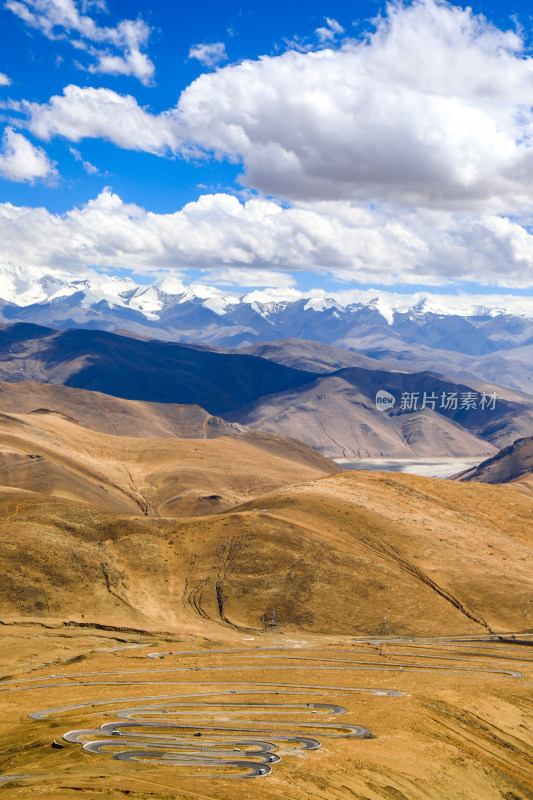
[
  {"x": 114, "y": 415},
  {"x": 49, "y": 453},
  {"x": 333, "y": 555},
  {"x": 512, "y": 464}
]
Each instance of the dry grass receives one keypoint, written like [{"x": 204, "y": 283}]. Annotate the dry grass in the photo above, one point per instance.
[
  {"x": 109, "y": 531},
  {"x": 55, "y": 456},
  {"x": 332, "y": 555},
  {"x": 451, "y": 735}
]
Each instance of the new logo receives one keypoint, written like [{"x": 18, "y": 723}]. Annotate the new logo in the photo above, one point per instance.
[{"x": 384, "y": 400}]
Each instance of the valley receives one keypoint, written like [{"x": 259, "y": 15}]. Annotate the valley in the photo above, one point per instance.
[{"x": 426, "y": 467}]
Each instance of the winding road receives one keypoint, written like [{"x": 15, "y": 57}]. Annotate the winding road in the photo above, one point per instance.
[{"x": 244, "y": 728}]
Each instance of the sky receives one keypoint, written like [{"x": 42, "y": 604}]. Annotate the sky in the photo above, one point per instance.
[{"x": 335, "y": 146}]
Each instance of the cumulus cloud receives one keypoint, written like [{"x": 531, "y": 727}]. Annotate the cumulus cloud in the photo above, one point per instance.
[
  {"x": 81, "y": 113},
  {"x": 407, "y": 157},
  {"x": 58, "y": 19},
  {"x": 218, "y": 232},
  {"x": 4, "y": 79},
  {"x": 209, "y": 54},
  {"x": 433, "y": 109},
  {"x": 21, "y": 161}
]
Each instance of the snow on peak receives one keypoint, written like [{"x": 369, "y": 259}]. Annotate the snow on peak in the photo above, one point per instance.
[
  {"x": 322, "y": 304},
  {"x": 489, "y": 311},
  {"x": 383, "y": 308},
  {"x": 427, "y": 305},
  {"x": 220, "y": 304},
  {"x": 170, "y": 284},
  {"x": 270, "y": 301},
  {"x": 265, "y": 296},
  {"x": 149, "y": 300},
  {"x": 27, "y": 286}
]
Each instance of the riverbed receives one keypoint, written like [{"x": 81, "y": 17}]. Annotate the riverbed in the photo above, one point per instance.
[{"x": 427, "y": 467}]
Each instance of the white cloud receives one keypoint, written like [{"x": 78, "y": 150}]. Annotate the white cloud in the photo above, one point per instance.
[
  {"x": 102, "y": 114},
  {"x": 21, "y": 161},
  {"x": 219, "y": 233},
  {"x": 129, "y": 36},
  {"x": 4, "y": 79},
  {"x": 58, "y": 19},
  {"x": 99, "y": 5},
  {"x": 407, "y": 158},
  {"x": 239, "y": 277},
  {"x": 133, "y": 63},
  {"x": 329, "y": 31},
  {"x": 434, "y": 109},
  {"x": 209, "y": 54},
  {"x": 89, "y": 168}
]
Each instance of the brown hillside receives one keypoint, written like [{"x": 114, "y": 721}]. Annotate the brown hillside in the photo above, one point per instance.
[
  {"x": 52, "y": 454},
  {"x": 332, "y": 555},
  {"x": 113, "y": 415},
  {"x": 512, "y": 464},
  {"x": 337, "y": 419}
]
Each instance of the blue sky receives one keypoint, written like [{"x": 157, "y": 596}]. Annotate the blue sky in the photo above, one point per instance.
[{"x": 270, "y": 145}]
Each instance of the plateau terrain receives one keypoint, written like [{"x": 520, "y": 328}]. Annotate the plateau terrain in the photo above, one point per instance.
[
  {"x": 313, "y": 397},
  {"x": 187, "y": 604},
  {"x": 266, "y": 400},
  {"x": 486, "y": 343}
]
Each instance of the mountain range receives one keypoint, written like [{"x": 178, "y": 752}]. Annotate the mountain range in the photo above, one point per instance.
[
  {"x": 492, "y": 344},
  {"x": 335, "y": 410}
]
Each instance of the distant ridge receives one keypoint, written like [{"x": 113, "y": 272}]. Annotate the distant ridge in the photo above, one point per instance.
[
  {"x": 490, "y": 343},
  {"x": 334, "y": 411},
  {"x": 512, "y": 464},
  {"x": 164, "y": 372}
]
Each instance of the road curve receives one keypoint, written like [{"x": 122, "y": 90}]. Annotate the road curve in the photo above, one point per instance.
[
  {"x": 236, "y": 739},
  {"x": 240, "y": 729}
]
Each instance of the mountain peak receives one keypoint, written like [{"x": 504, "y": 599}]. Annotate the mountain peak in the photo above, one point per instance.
[
  {"x": 185, "y": 311},
  {"x": 383, "y": 308},
  {"x": 427, "y": 305}
]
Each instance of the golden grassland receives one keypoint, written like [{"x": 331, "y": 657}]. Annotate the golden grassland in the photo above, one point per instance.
[
  {"x": 454, "y": 731},
  {"x": 333, "y": 555},
  {"x": 113, "y": 547},
  {"x": 54, "y": 455}
]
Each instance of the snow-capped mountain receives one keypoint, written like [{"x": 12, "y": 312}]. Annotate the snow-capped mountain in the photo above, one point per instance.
[{"x": 170, "y": 309}]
